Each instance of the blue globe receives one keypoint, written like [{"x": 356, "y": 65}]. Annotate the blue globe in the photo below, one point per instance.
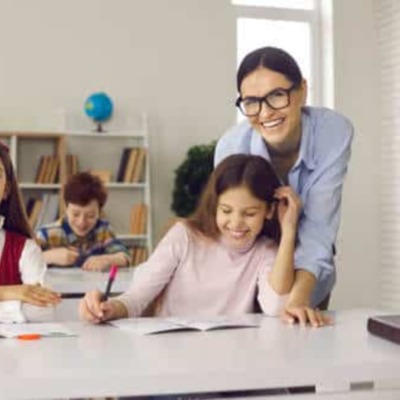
[{"x": 99, "y": 107}]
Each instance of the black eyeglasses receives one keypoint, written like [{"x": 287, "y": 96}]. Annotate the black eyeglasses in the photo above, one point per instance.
[{"x": 276, "y": 99}]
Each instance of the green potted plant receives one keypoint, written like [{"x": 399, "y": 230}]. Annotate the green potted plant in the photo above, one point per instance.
[{"x": 190, "y": 178}]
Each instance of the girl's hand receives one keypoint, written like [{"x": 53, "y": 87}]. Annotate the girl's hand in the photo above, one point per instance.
[
  {"x": 93, "y": 310},
  {"x": 305, "y": 315},
  {"x": 32, "y": 294},
  {"x": 289, "y": 207}
]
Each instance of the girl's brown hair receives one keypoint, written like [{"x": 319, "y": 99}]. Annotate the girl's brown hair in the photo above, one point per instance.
[
  {"x": 252, "y": 171},
  {"x": 12, "y": 207}
]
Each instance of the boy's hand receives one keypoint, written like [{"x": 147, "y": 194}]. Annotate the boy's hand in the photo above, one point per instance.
[{"x": 96, "y": 263}]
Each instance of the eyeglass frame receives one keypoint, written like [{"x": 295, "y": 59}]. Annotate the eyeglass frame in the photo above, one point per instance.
[{"x": 264, "y": 99}]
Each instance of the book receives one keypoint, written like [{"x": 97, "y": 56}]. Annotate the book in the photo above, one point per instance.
[
  {"x": 385, "y": 326},
  {"x": 131, "y": 165},
  {"x": 148, "y": 325},
  {"x": 104, "y": 175},
  {"x": 138, "y": 172},
  {"x": 123, "y": 162},
  {"x": 42, "y": 329}
]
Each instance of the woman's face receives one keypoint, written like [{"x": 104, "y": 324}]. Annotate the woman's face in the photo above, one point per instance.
[{"x": 281, "y": 129}]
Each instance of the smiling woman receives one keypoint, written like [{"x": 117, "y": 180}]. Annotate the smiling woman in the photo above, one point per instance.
[{"x": 309, "y": 149}]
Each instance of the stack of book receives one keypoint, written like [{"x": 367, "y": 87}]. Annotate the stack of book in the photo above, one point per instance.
[
  {"x": 47, "y": 171},
  {"x": 138, "y": 225},
  {"x": 72, "y": 164},
  {"x": 132, "y": 165},
  {"x": 42, "y": 211}
]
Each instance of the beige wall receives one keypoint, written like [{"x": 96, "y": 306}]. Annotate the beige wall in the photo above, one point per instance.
[{"x": 357, "y": 96}]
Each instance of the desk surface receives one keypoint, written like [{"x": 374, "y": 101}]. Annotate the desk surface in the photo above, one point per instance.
[
  {"x": 105, "y": 361},
  {"x": 75, "y": 281}
]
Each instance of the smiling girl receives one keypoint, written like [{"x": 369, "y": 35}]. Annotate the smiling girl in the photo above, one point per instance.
[{"x": 233, "y": 256}]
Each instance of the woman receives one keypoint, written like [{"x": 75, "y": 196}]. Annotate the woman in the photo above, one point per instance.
[{"x": 309, "y": 149}]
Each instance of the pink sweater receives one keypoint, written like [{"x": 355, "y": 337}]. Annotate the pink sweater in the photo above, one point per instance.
[{"x": 203, "y": 277}]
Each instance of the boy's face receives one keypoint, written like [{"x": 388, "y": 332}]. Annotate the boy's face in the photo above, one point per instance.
[{"x": 82, "y": 219}]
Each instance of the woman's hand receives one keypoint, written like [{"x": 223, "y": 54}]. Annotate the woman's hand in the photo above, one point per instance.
[
  {"x": 289, "y": 207},
  {"x": 93, "y": 310},
  {"x": 305, "y": 315},
  {"x": 32, "y": 294}
]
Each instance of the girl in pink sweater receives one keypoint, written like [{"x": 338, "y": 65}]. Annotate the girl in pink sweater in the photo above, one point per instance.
[{"x": 234, "y": 255}]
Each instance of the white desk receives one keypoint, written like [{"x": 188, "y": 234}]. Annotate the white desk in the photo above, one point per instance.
[
  {"x": 104, "y": 361},
  {"x": 74, "y": 282}
]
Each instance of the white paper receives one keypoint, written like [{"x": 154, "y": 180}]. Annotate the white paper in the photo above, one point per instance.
[{"x": 43, "y": 329}]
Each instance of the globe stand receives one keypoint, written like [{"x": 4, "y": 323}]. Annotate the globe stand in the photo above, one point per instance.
[{"x": 99, "y": 127}]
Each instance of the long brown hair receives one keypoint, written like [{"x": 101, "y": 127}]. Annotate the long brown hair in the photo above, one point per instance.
[
  {"x": 12, "y": 207},
  {"x": 252, "y": 171}
]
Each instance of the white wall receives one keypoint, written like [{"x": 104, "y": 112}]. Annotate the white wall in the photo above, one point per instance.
[
  {"x": 357, "y": 96},
  {"x": 176, "y": 59}
]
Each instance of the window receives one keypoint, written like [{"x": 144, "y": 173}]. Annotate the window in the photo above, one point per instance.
[{"x": 289, "y": 24}]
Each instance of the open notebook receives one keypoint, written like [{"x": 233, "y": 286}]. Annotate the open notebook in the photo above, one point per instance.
[
  {"x": 385, "y": 326},
  {"x": 146, "y": 326}
]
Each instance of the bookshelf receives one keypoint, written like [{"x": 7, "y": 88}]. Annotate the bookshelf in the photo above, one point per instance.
[
  {"x": 100, "y": 153},
  {"x": 28, "y": 150}
]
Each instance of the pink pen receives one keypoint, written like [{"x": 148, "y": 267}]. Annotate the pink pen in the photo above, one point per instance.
[{"x": 111, "y": 277}]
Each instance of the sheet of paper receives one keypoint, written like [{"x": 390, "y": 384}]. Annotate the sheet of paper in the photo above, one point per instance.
[{"x": 43, "y": 329}]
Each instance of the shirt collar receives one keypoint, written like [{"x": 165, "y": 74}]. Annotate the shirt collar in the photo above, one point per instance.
[{"x": 73, "y": 237}]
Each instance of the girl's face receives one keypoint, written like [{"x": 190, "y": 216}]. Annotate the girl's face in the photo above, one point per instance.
[
  {"x": 281, "y": 129},
  {"x": 3, "y": 182},
  {"x": 240, "y": 216}
]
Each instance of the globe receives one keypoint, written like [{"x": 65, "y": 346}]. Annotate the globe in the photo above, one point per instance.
[{"x": 99, "y": 108}]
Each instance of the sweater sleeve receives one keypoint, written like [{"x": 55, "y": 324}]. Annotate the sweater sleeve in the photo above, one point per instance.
[
  {"x": 151, "y": 277},
  {"x": 271, "y": 303},
  {"x": 31, "y": 264}
]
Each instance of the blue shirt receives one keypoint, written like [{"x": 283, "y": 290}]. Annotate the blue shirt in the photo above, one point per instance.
[
  {"x": 99, "y": 241},
  {"x": 317, "y": 177}
]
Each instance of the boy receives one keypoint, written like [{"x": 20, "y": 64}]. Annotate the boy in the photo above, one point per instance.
[{"x": 82, "y": 238}]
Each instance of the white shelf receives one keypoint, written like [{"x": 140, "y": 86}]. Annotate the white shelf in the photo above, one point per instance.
[
  {"x": 108, "y": 134},
  {"x": 122, "y": 185},
  {"x": 129, "y": 236},
  {"x": 39, "y": 186}
]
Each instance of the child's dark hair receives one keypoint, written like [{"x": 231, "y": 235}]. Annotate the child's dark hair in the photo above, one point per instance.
[
  {"x": 12, "y": 206},
  {"x": 82, "y": 188},
  {"x": 271, "y": 58},
  {"x": 252, "y": 171}
]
